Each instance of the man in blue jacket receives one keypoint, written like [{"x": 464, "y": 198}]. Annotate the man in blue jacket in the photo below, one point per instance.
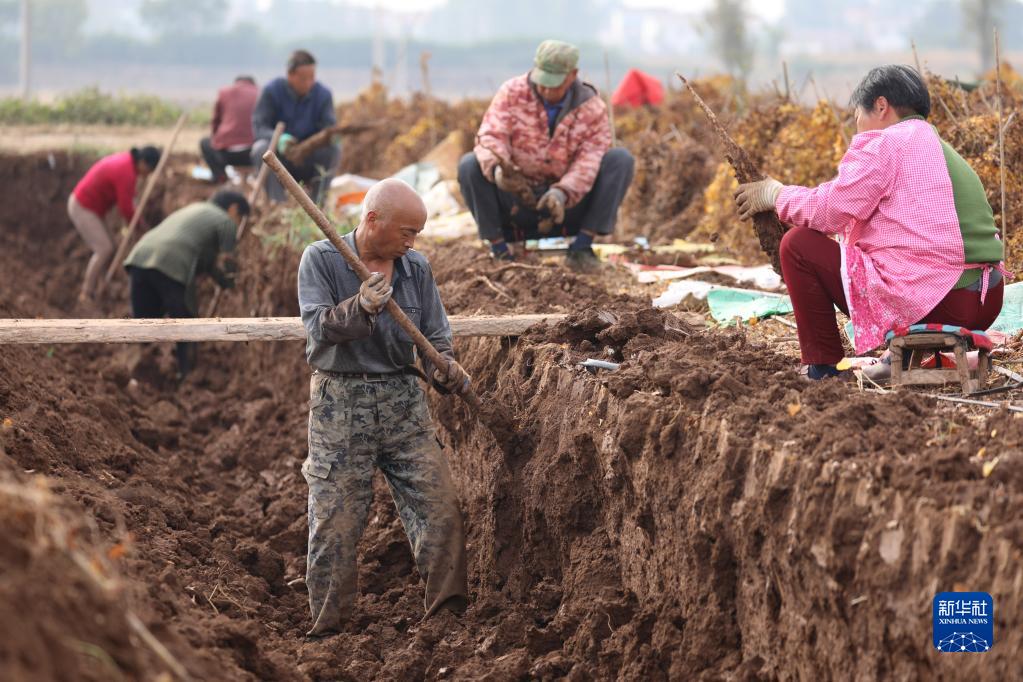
[{"x": 306, "y": 107}]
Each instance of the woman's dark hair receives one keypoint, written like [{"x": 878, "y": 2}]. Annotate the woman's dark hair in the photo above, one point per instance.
[
  {"x": 247, "y": 79},
  {"x": 300, "y": 58},
  {"x": 149, "y": 154},
  {"x": 226, "y": 198},
  {"x": 901, "y": 85}
]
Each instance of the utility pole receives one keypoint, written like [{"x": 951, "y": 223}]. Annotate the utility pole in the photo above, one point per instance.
[
  {"x": 377, "y": 69},
  {"x": 26, "y": 49}
]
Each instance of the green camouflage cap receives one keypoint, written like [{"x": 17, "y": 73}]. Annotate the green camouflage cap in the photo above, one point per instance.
[{"x": 553, "y": 62}]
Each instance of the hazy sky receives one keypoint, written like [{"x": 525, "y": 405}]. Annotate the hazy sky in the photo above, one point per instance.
[{"x": 769, "y": 9}]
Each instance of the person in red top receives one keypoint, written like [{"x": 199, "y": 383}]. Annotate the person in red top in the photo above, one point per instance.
[
  {"x": 231, "y": 141},
  {"x": 111, "y": 181}
]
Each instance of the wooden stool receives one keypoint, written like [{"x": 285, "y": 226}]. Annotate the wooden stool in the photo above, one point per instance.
[{"x": 920, "y": 339}]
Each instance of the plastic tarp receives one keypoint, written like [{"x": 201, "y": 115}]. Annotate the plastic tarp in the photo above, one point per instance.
[
  {"x": 636, "y": 89},
  {"x": 726, "y": 303},
  {"x": 1010, "y": 320}
]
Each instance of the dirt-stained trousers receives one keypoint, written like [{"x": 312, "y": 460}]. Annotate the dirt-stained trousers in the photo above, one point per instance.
[{"x": 356, "y": 425}]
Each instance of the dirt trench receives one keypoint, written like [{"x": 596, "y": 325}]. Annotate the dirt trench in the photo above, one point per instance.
[{"x": 702, "y": 513}]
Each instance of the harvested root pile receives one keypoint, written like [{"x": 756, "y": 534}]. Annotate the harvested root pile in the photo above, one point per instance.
[
  {"x": 969, "y": 122},
  {"x": 405, "y": 131},
  {"x": 665, "y": 199},
  {"x": 803, "y": 146}
]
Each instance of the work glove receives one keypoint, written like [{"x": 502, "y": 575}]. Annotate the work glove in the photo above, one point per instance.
[
  {"x": 226, "y": 274},
  {"x": 757, "y": 197},
  {"x": 502, "y": 183},
  {"x": 284, "y": 143},
  {"x": 553, "y": 201},
  {"x": 374, "y": 293},
  {"x": 456, "y": 380}
]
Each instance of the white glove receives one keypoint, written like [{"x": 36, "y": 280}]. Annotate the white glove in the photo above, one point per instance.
[
  {"x": 374, "y": 293},
  {"x": 554, "y": 201},
  {"x": 757, "y": 197}
]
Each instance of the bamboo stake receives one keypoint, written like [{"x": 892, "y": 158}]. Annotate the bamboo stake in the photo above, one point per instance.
[
  {"x": 941, "y": 101},
  {"x": 963, "y": 102},
  {"x": 321, "y": 220},
  {"x": 424, "y": 66},
  {"x": 834, "y": 114},
  {"x": 813, "y": 83},
  {"x": 1001, "y": 138},
  {"x": 129, "y": 236},
  {"x": 610, "y": 107},
  {"x": 243, "y": 225},
  {"x": 916, "y": 58},
  {"x": 788, "y": 86}
]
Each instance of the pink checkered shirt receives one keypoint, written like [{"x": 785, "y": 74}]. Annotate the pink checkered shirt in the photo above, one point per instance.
[{"x": 893, "y": 208}]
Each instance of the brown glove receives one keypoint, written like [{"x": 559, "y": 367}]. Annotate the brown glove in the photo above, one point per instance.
[
  {"x": 554, "y": 201},
  {"x": 456, "y": 380}
]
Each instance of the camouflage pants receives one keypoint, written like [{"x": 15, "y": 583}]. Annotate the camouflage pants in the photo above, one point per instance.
[{"x": 354, "y": 426}]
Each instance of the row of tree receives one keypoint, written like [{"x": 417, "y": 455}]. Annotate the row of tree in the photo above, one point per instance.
[
  {"x": 196, "y": 31},
  {"x": 727, "y": 24}
]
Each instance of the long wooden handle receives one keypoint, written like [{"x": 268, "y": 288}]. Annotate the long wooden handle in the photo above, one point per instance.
[
  {"x": 244, "y": 223},
  {"x": 129, "y": 236},
  {"x": 321, "y": 220}
]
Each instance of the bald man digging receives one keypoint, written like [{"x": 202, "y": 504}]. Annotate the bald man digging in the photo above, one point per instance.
[{"x": 367, "y": 408}]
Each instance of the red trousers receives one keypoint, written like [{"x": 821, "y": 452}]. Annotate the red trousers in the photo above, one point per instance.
[{"x": 811, "y": 264}]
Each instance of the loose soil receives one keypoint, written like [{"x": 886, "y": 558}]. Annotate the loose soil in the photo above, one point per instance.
[{"x": 703, "y": 513}]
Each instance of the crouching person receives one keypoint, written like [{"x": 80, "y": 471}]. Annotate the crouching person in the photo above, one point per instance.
[
  {"x": 164, "y": 265},
  {"x": 554, "y": 128}
]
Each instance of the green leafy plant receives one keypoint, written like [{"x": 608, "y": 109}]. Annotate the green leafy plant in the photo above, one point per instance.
[
  {"x": 90, "y": 106},
  {"x": 296, "y": 230}
]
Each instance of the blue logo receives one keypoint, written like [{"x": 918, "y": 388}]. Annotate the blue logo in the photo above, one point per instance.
[{"x": 963, "y": 622}]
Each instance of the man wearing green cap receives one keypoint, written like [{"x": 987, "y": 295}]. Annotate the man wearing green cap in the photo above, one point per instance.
[{"x": 543, "y": 163}]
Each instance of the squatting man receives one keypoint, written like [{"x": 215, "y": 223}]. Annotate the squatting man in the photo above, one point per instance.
[{"x": 367, "y": 408}]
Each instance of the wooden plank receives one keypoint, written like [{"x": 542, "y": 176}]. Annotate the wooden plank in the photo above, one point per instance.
[
  {"x": 22, "y": 331},
  {"x": 923, "y": 377},
  {"x": 926, "y": 340}
]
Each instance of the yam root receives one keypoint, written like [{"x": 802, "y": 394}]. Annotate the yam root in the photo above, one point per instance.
[
  {"x": 521, "y": 188},
  {"x": 768, "y": 228},
  {"x": 300, "y": 151}
]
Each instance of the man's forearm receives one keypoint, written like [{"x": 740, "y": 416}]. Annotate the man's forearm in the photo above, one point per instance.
[{"x": 346, "y": 321}]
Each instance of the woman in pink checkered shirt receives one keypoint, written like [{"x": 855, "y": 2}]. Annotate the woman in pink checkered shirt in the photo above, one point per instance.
[{"x": 917, "y": 240}]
